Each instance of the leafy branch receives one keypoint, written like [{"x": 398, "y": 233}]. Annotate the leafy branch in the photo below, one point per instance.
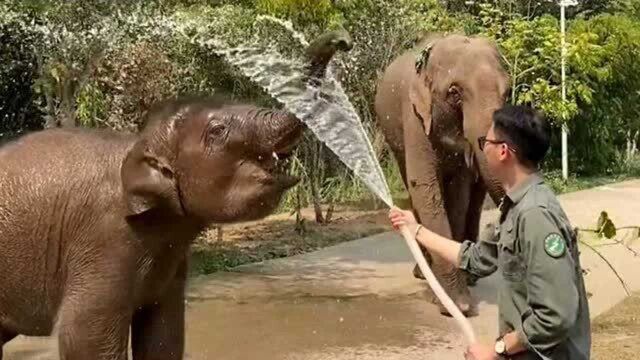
[
  {"x": 624, "y": 285},
  {"x": 606, "y": 228}
]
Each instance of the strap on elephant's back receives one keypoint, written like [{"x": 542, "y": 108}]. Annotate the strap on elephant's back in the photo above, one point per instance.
[{"x": 423, "y": 57}]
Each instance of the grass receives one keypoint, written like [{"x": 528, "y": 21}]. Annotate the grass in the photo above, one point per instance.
[
  {"x": 629, "y": 170},
  {"x": 560, "y": 186},
  {"x": 274, "y": 238}
]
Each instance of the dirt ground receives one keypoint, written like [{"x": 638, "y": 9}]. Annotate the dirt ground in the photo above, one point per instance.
[
  {"x": 616, "y": 333},
  {"x": 276, "y": 236}
]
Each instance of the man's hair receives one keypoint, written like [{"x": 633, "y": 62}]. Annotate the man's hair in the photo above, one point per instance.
[{"x": 524, "y": 129}]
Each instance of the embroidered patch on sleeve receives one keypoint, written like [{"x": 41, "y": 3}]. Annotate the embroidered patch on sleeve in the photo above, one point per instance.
[{"x": 554, "y": 245}]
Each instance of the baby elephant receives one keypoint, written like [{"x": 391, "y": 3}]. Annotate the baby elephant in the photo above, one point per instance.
[{"x": 95, "y": 225}]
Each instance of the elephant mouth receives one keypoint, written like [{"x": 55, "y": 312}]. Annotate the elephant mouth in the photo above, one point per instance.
[
  {"x": 281, "y": 171},
  {"x": 278, "y": 162}
]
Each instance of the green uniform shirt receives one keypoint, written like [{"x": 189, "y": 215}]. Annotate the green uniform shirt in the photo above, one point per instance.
[{"x": 541, "y": 292}]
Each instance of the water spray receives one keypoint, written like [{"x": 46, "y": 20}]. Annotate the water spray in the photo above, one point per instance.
[
  {"x": 369, "y": 171},
  {"x": 326, "y": 110}
]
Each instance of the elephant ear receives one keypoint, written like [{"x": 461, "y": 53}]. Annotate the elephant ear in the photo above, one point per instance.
[
  {"x": 148, "y": 182},
  {"x": 420, "y": 90},
  {"x": 420, "y": 97}
]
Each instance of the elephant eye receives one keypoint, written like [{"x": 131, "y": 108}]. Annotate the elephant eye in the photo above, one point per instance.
[
  {"x": 217, "y": 130},
  {"x": 455, "y": 93}
]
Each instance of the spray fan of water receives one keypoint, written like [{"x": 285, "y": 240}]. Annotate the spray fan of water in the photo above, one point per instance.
[
  {"x": 324, "y": 108},
  {"x": 327, "y": 111}
]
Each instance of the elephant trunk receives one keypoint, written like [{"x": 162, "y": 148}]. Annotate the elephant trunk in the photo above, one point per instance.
[
  {"x": 283, "y": 127},
  {"x": 483, "y": 121},
  {"x": 284, "y": 130},
  {"x": 322, "y": 50}
]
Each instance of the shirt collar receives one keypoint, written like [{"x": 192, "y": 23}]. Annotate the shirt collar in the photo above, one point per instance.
[{"x": 516, "y": 194}]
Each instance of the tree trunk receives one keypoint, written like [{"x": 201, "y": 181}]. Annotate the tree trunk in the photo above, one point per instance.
[
  {"x": 315, "y": 179},
  {"x": 330, "y": 212},
  {"x": 300, "y": 225}
]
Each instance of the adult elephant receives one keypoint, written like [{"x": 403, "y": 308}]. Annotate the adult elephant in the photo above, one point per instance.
[
  {"x": 432, "y": 103},
  {"x": 95, "y": 225}
]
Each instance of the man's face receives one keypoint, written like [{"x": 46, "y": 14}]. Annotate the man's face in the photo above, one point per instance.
[{"x": 495, "y": 152}]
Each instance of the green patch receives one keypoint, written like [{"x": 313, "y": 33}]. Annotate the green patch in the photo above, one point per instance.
[
  {"x": 554, "y": 245},
  {"x": 559, "y": 186},
  {"x": 226, "y": 255}
]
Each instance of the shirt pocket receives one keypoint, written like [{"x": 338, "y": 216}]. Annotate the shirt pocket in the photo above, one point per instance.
[{"x": 509, "y": 258}]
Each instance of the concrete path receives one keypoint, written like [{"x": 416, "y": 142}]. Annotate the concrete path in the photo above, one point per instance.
[{"x": 359, "y": 300}]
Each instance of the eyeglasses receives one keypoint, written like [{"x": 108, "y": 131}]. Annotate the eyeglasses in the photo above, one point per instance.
[{"x": 482, "y": 141}]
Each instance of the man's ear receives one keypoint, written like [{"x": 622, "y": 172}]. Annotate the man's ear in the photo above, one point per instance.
[{"x": 148, "y": 181}]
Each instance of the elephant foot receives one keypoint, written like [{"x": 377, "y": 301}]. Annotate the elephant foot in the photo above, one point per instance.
[
  {"x": 417, "y": 273},
  {"x": 466, "y": 306},
  {"x": 472, "y": 281},
  {"x": 464, "y": 302}
]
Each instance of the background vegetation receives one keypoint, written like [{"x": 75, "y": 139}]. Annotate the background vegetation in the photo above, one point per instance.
[{"x": 100, "y": 63}]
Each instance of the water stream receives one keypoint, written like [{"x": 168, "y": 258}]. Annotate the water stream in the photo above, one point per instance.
[{"x": 324, "y": 108}]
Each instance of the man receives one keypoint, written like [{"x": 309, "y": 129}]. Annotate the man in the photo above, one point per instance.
[{"x": 543, "y": 310}]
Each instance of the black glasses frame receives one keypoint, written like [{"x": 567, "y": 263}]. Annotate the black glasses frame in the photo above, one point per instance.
[{"x": 482, "y": 141}]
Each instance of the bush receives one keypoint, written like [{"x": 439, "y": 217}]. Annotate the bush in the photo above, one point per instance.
[
  {"x": 302, "y": 13},
  {"x": 18, "y": 109},
  {"x": 127, "y": 84},
  {"x": 106, "y": 63}
]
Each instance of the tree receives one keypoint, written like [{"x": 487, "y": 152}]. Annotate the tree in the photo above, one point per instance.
[{"x": 18, "y": 49}]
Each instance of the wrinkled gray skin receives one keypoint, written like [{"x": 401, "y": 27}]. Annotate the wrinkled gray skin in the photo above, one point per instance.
[
  {"x": 431, "y": 116},
  {"x": 95, "y": 225}
]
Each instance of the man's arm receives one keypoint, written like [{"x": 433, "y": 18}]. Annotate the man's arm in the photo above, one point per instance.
[
  {"x": 479, "y": 259},
  {"x": 445, "y": 248},
  {"x": 550, "y": 278}
]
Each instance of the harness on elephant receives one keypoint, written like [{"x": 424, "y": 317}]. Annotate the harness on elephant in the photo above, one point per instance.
[
  {"x": 423, "y": 57},
  {"x": 421, "y": 62}
]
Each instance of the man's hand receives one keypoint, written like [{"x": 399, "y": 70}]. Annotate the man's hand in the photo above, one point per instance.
[
  {"x": 481, "y": 352},
  {"x": 446, "y": 248},
  {"x": 400, "y": 217}
]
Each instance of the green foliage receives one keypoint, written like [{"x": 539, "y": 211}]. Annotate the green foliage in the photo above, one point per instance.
[
  {"x": 129, "y": 82},
  {"x": 18, "y": 109},
  {"x": 205, "y": 72},
  {"x": 319, "y": 13},
  {"x": 612, "y": 118},
  {"x": 534, "y": 8},
  {"x": 531, "y": 51},
  {"x": 103, "y": 63}
]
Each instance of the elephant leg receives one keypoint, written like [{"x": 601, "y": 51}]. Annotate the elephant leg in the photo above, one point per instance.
[
  {"x": 426, "y": 191},
  {"x": 399, "y": 155},
  {"x": 458, "y": 189},
  {"x": 93, "y": 321},
  {"x": 157, "y": 330},
  {"x": 474, "y": 213}
]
